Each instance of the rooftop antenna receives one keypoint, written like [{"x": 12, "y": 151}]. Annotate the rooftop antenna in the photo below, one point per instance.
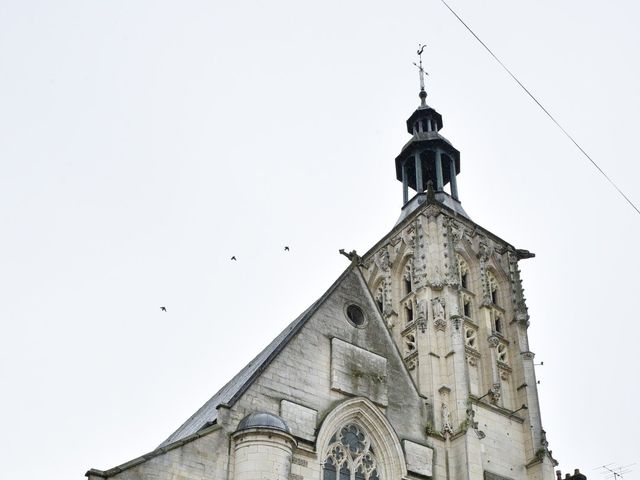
[
  {"x": 423, "y": 93},
  {"x": 615, "y": 473}
]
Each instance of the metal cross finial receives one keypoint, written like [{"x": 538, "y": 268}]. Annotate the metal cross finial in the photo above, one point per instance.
[{"x": 423, "y": 93}]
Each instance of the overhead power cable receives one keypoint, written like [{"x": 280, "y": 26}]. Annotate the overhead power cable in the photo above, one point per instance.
[{"x": 593, "y": 162}]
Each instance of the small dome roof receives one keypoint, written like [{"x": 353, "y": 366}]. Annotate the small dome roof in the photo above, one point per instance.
[{"x": 263, "y": 420}]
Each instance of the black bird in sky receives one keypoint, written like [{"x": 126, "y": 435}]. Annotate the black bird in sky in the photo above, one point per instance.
[
  {"x": 234, "y": 258},
  {"x": 286, "y": 249},
  {"x": 164, "y": 309}
]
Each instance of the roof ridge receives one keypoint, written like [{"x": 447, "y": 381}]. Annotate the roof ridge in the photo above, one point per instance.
[{"x": 240, "y": 382}]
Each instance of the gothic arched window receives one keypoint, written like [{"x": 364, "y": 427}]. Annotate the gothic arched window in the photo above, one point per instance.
[
  {"x": 492, "y": 285},
  {"x": 350, "y": 456},
  {"x": 406, "y": 277},
  {"x": 408, "y": 312},
  {"x": 463, "y": 272},
  {"x": 466, "y": 305}
]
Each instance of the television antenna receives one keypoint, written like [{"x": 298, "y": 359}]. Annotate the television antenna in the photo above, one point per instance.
[{"x": 611, "y": 472}]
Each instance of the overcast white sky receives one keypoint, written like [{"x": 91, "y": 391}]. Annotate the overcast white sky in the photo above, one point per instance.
[{"x": 145, "y": 142}]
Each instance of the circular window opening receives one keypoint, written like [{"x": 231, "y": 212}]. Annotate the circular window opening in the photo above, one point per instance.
[{"x": 355, "y": 315}]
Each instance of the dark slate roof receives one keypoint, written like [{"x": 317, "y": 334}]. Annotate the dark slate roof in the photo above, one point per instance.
[
  {"x": 424, "y": 136},
  {"x": 232, "y": 391},
  {"x": 238, "y": 384}
]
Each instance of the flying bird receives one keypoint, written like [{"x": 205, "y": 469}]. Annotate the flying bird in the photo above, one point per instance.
[
  {"x": 286, "y": 249},
  {"x": 164, "y": 309},
  {"x": 234, "y": 258}
]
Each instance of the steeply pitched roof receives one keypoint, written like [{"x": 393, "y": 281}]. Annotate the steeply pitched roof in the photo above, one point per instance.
[{"x": 228, "y": 394}]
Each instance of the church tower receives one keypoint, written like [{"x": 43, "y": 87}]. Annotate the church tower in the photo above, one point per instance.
[
  {"x": 451, "y": 295},
  {"x": 413, "y": 365}
]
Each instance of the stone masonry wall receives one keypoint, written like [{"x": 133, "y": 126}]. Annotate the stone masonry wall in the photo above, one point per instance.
[
  {"x": 302, "y": 371},
  {"x": 202, "y": 459}
]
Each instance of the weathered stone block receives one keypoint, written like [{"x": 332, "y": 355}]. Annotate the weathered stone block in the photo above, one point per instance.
[
  {"x": 419, "y": 458},
  {"x": 301, "y": 420},
  {"x": 357, "y": 371}
]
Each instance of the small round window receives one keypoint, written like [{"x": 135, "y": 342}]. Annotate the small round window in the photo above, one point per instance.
[{"x": 355, "y": 315}]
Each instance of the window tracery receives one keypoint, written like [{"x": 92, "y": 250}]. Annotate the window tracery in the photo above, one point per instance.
[{"x": 350, "y": 456}]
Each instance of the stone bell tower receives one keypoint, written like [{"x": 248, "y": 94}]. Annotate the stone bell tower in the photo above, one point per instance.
[{"x": 451, "y": 295}]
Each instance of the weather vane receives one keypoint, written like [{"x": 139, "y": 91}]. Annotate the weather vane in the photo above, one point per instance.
[{"x": 423, "y": 93}]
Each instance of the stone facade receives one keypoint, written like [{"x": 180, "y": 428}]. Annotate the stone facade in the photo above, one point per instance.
[{"x": 414, "y": 364}]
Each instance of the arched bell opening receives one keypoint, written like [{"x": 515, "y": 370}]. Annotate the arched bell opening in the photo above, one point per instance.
[{"x": 429, "y": 165}]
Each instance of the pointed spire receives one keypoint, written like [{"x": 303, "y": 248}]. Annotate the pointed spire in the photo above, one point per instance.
[{"x": 423, "y": 93}]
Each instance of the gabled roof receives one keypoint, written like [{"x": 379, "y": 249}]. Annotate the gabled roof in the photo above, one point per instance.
[{"x": 234, "y": 389}]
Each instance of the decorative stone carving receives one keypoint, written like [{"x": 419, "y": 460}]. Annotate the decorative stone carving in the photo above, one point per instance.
[
  {"x": 493, "y": 340},
  {"x": 495, "y": 393},
  {"x": 483, "y": 250},
  {"x": 543, "y": 439},
  {"x": 420, "y": 255},
  {"x": 422, "y": 309},
  {"x": 422, "y": 325},
  {"x": 456, "y": 321},
  {"x": 383, "y": 262},
  {"x": 472, "y": 360},
  {"x": 407, "y": 236},
  {"x": 436, "y": 280},
  {"x": 501, "y": 351},
  {"x": 422, "y": 314},
  {"x": 445, "y": 414},
  {"x": 522, "y": 313},
  {"x": 453, "y": 234},
  {"x": 462, "y": 270},
  {"x": 528, "y": 355},
  {"x": 454, "y": 231},
  {"x": 407, "y": 274},
  {"x": 409, "y": 343},
  {"x": 382, "y": 259},
  {"x": 446, "y": 420},
  {"x": 483, "y": 257},
  {"x": 390, "y": 320},
  {"x": 412, "y": 362},
  {"x": 440, "y": 325},
  {"x": 438, "y": 308},
  {"x": 379, "y": 296},
  {"x": 431, "y": 210},
  {"x": 437, "y": 304},
  {"x": 471, "y": 418},
  {"x": 473, "y": 424},
  {"x": 471, "y": 337},
  {"x": 504, "y": 375}
]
